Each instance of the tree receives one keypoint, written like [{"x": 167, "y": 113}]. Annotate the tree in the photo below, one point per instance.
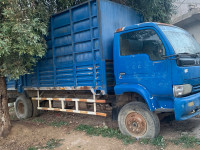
[
  {"x": 22, "y": 43},
  {"x": 23, "y": 27},
  {"x": 152, "y": 10}
]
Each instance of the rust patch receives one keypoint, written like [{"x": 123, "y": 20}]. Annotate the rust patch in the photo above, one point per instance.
[
  {"x": 68, "y": 99},
  {"x": 101, "y": 114},
  {"x": 83, "y": 88},
  {"x": 136, "y": 124},
  {"x": 83, "y": 100},
  {"x": 120, "y": 29},
  {"x": 84, "y": 112},
  {"x": 60, "y": 88},
  {"x": 90, "y": 68},
  {"x": 100, "y": 101},
  {"x": 57, "y": 109},
  {"x": 68, "y": 110},
  {"x": 43, "y": 108}
]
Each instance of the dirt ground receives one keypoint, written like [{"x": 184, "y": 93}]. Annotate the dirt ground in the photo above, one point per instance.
[{"x": 36, "y": 132}]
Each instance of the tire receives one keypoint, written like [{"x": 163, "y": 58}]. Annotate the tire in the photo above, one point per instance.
[
  {"x": 136, "y": 120},
  {"x": 36, "y": 112},
  {"x": 23, "y": 107}
]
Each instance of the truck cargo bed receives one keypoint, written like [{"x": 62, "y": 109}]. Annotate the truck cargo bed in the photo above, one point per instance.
[{"x": 80, "y": 48}]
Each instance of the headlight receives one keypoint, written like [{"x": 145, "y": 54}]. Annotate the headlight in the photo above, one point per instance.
[{"x": 181, "y": 90}]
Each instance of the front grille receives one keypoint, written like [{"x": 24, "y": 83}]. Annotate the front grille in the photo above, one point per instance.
[{"x": 196, "y": 88}]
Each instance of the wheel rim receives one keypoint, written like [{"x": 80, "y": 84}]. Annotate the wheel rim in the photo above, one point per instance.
[
  {"x": 20, "y": 107},
  {"x": 136, "y": 124}
]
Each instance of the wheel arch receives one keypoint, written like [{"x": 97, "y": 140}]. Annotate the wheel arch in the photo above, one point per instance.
[{"x": 140, "y": 90}]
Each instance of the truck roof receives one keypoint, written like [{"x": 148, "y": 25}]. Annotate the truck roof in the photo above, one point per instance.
[{"x": 144, "y": 24}]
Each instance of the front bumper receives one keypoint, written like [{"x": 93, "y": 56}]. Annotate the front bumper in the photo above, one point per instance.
[{"x": 187, "y": 107}]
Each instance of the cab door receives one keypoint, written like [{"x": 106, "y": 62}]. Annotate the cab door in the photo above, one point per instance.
[{"x": 138, "y": 59}]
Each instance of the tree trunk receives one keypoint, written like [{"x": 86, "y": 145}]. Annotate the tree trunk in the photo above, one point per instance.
[{"x": 5, "y": 124}]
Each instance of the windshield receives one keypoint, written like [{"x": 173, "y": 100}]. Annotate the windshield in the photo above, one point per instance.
[{"x": 181, "y": 40}]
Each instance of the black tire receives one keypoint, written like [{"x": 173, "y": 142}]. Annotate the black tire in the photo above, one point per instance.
[
  {"x": 36, "y": 112},
  {"x": 23, "y": 107},
  {"x": 136, "y": 120}
]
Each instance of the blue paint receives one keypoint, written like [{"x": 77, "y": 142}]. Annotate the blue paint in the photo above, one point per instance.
[
  {"x": 156, "y": 77},
  {"x": 183, "y": 111},
  {"x": 82, "y": 48}
]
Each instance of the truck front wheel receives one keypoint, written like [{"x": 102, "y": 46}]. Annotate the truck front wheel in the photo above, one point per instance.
[
  {"x": 136, "y": 120},
  {"x": 23, "y": 107}
]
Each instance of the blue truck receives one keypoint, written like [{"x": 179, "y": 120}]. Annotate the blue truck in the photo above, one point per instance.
[{"x": 100, "y": 52}]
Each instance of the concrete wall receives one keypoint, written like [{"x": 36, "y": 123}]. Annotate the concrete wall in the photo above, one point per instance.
[
  {"x": 194, "y": 29},
  {"x": 183, "y": 6},
  {"x": 188, "y": 16}
]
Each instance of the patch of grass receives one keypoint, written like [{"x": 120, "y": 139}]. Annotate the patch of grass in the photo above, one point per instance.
[
  {"x": 106, "y": 132},
  {"x": 58, "y": 123},
  {"x": 145, "y": 141},
  {"x": 53, "y": 143},
  {"x": 158, "y": 141},
  {"x": 38, "y": 120},
  {"x": 32, "y": 148},
  {"x": 186, "y": 141}
]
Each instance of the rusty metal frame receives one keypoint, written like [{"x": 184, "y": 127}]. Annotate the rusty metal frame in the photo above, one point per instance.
[
  {"x": 59, "y": 88},
  {"x": 76, "y": 100}
]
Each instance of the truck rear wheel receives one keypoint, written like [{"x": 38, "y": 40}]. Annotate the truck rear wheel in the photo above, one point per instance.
[
  {"x": 23, "y": 107},
  {"x": 136, "y": 120}
]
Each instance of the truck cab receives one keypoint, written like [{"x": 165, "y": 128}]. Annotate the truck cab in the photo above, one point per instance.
[{"x": 161, "y": 64}]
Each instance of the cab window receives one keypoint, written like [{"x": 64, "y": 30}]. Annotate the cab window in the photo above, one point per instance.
[{"x": 142, "y": 42}]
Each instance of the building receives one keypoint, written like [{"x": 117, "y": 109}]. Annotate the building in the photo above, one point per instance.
[{"x": 188, "y": 16}]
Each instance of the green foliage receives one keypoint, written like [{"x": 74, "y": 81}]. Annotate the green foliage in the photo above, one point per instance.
[
  {"x": 38, "y": 120},
  {"x": 64, "y": 4},
  {"x": 152, "y": 10},
  {"x": 53, "y": 143},
  {"x": 187, "y": 141},
  {"x": 58, "y": 123},
  {"x": 22, "y": 33},
  {"x": 109, "y": 132},
  {"x": 158, "y": 141},
  {"x": 32, "y": 148},
  {"x": 106, "y": 132}
]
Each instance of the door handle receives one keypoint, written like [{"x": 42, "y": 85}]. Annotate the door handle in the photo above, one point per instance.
[{"x": 121, "y": 74}]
